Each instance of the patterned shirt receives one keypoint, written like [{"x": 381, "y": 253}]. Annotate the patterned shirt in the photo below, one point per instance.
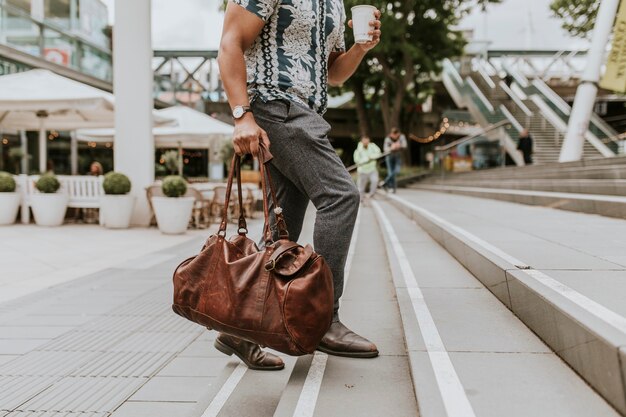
[{"x": 289, "y": 60}]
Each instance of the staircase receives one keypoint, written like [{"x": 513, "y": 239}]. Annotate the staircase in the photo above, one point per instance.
[
  {"x": 526, "y": 105},
  {"x": 548, "y": 140}
]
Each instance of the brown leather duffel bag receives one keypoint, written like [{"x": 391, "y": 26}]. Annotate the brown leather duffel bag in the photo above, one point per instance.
[{"x": 279, "y": 297}]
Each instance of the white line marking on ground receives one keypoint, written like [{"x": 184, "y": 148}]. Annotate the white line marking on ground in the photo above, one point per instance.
[
  {"x": 451, "y": 389},
  {"x": 351, "y": 252},
  {"x": 225, "y": 392},
  {"x": 598, "y": 310},
  {"x": 311, "y": 388},
  {"x": 313, "y": 382}
]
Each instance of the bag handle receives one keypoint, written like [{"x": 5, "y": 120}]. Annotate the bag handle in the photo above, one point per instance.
[
  {"x": 235, "y": 169},
  {"x": 264, "y": 157},
  {"x": 267, "y": 185}
]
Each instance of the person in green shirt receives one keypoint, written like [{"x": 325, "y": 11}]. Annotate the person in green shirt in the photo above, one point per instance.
[{"x": 366, "y": 157}]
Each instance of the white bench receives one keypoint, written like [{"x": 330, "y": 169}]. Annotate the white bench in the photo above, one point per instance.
[{"x": 83, "y": 191}]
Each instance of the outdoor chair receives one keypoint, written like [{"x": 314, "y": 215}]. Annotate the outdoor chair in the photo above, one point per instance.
[
  {"x": 219, "y": 199},
  {"x": 248, "y": 203},
  {"x": 201, "y": 215}
]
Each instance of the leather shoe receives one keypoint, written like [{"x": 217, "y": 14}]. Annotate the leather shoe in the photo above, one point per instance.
[
  {"x": 249, "y": 353},
  {"x": 341, "y": 341}
]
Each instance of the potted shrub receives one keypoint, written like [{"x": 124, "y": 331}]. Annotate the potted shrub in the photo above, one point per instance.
[
  {"x": 116, "y": 205},
  {"x": 9, "y": 199},
  {"x": 174, "y": 210},
  {"x": 49, "y": 206}
]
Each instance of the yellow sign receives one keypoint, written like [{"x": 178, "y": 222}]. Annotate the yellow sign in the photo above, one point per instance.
[{"x": 615, "y": 76}]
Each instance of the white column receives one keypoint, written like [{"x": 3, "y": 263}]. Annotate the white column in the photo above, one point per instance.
[
  {"x": 37, "y": 9},
  {"x": 572, "y": 149},
  {"x": 24, "y": 166},
  {"x": 43, "y": 148},
  {"x": 181, "y": 162},
  {"x": 73, "y": 153},
  {"x": 133, "y": 79}
]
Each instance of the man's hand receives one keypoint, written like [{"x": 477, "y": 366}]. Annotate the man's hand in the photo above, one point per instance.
[
  {"x": 247, "y": 136},
  {"x": 375, "y": 33}
]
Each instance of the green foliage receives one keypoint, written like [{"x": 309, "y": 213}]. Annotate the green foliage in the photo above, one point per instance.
[
  {"x": 16, "y": 153},
  {"x": 171, "y": 161},
  {"x": 416, "y": 36},
  {"x": 160, "y": 170},
  {"x": 578, "y": 16},
  {"x": 15, "y": 156},
  {"x": 116, "y": 183},
  {"x": 48, "y": 184},
  {"x": 174, "y": 186},
  {"x": 7, "y": 183}
]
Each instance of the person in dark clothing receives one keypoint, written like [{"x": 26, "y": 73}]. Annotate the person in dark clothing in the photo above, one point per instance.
[{"x": 526, "y": 146}]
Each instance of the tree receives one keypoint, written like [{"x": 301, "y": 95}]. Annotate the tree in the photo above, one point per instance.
[
  {"x": 170, "y": 160},
  {"x": 578, "y": 16},
  {"x": 399, "y": 73}
]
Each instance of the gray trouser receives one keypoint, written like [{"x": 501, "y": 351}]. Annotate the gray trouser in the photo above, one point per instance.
[
  {"x": 306, "y": 168},
  {"x": 371, "y": 179}
]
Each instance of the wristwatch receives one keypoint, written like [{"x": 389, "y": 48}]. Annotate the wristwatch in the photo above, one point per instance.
[{"x": 239, "y": 111}]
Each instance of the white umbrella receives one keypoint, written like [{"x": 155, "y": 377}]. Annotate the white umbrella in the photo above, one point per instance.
[
  {"x": 42, "y": 100},
  {"x": 193, "y": 130}
]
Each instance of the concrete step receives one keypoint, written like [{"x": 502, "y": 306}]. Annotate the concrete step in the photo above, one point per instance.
[
  {"x": 563, "y": 274},
  {"x": 602, "y": 187},
  {"x": 322, "y": 385},
  {"x": 470, "y": 356},
  {"x": 549, "y": 171},
  {"x": 512, "y": 172},
  {"x": 603, "y": 205}
]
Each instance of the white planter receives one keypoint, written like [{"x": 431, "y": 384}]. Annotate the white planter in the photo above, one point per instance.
[
  {"x": 49, "y": 209},
  {"x": 9, "y": 205},
  {"x": 116, "y": 210},
  {"x": 173, "y": 214}
]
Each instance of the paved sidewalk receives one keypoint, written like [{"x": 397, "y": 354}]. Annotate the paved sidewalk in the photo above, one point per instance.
[
  {"x": 33, "y": 258},
  {"x": 108, "y": 345}
]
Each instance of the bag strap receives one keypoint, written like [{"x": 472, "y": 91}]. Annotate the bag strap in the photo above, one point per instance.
[
  {"x": 267, "y": 185},
  {"x": 235, "y": 170},
  {"x": 264, "y": 157}
]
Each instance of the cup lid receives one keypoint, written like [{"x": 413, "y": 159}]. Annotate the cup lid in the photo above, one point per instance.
[{"x": 364, "y": 6}]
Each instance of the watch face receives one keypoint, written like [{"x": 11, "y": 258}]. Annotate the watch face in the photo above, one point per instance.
[{"x": 238, "y": 112}]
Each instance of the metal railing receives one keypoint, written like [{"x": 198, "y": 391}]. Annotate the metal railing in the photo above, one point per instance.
[
  {"x": 442, "y": 153},
  {"x": 482, "y": 109},
  {"x": 479, "y": 94},
  {"x": 600, "y": 134},
  {"x": 51, "y": 42},
  {"x": 471, "y": 138},
  {"x": 516, "y": 124}
]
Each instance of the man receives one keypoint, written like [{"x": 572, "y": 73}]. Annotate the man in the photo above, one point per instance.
[
  {"x": 276, "y": 58},
  {"x": 526, "y": 146},
  {"x": 366, "y": 157},
  {"x": 394, "y": 144}
]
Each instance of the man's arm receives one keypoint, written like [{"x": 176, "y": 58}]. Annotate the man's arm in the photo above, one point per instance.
[
  {"x": 342, "y": 65},
  {"x": 403, "y": 142},
  {"x": 377, "y": 152},
  {"x": 358, "y": 157},
  {"x": 241, "y": 28}
]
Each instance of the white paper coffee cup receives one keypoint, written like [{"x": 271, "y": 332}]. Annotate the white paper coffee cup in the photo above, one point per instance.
[{"x": 361, "y": 18}]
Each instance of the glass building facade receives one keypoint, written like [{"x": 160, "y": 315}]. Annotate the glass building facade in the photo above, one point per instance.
[{"x": 71, "y": 33}]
